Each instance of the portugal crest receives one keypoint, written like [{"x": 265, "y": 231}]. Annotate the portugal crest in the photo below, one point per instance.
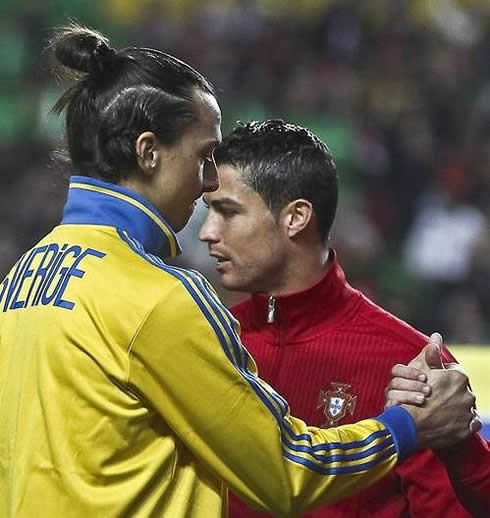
[{"x": 336, "y": 402}]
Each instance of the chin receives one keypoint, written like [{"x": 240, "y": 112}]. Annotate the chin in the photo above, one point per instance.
[{"x": 235, "y": 285}]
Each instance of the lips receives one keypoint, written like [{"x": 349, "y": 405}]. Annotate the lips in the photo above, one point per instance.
[
  {"x": 221, "y": 261},
  {"x": 222, "y": 266}
]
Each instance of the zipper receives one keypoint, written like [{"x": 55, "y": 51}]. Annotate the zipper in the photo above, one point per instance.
[{"x": 271, "y": 309}]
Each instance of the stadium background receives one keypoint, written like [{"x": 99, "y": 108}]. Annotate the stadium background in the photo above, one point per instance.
[{"x": 399, "y": 89}]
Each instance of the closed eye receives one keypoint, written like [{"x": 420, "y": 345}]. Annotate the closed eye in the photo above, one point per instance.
[
  {"x": 228, "y": 213},
  {"x": 226, "y": 207}
]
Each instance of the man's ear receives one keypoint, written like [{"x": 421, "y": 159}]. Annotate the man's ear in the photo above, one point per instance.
[
  {"x": 148, "y": 152},
  {"x": 296, "y": 216}
]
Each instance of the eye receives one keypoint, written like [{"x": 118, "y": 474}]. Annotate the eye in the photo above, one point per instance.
[{"x": 228, "y": 213}]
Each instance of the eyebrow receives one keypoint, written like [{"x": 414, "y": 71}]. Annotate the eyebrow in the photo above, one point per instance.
[{"x": 221, "y": 202}]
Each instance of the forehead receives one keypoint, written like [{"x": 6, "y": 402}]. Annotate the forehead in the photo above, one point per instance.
[
  {"x": 232, "y": 188},
  {"x": 208, "y": 124}
]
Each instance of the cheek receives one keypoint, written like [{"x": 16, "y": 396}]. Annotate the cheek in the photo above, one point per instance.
[
  {"x": 260, "y": 251},
  {"x": 190, "y": 182},
  {"x": 259, "y": 271},
  {"x": 243, "y": 239},
  {"x": 196, "y": 177}
]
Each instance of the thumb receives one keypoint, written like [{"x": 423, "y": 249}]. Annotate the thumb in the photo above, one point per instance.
[
  {"x": 433, "y": 352},
  {"x": 436, "y": 338},
  {"x": 433, "y": 356},
  {"x": 430, "y": 356}
]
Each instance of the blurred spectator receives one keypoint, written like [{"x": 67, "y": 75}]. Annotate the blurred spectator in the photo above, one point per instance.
[
  {"x": 400, "y": 91},
  {"x": 440, "y": 244}
]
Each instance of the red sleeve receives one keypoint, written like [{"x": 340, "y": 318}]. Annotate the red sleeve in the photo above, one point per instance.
[
  {"x": 427, "y": 488},
  {"x": 468, "y": 465},
  {"x": 238, "y": 509},
  {"x": 447, "y": 357}
]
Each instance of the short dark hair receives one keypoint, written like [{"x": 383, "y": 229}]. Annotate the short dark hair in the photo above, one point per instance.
[
  {"x": 283, "y": 162},
  {"x": 116, "y": 95}
]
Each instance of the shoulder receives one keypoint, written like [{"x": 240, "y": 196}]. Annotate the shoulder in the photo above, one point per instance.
[
  {"x": 158, "y": 272},
  {"x": 190, "y": 298},
  {"x": 382, "y": 323},
  {"x": 189, "y": 313},
  {"x": 148, "y": 281}
]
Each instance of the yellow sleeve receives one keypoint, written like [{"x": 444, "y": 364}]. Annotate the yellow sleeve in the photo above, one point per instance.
[{"x": 188, "y": 361}]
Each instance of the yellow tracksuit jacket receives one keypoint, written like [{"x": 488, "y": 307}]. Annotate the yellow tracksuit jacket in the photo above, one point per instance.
[{"x": 125, "y": 389}]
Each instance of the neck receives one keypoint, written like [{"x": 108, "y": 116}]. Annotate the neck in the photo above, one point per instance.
[
  {"x": 136, "y": 183},
  {"x": 304, "y": 270}
]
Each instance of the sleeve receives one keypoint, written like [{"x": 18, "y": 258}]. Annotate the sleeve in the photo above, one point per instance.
[
  {"x": 188, "y": 362},
  {"x": 432, "y": 495},
  {"x": 468, "y": 465}
]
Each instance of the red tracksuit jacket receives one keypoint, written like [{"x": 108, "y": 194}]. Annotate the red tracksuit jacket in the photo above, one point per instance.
[{"x": 329, "y": 350}]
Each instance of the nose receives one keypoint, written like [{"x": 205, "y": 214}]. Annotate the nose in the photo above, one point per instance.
[
  {"x": 210, "y": 177},
  {"x": 208, "y": 232}
]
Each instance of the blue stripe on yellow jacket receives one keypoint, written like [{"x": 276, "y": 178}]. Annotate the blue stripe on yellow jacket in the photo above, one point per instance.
[{"x": 126, "y": 390}]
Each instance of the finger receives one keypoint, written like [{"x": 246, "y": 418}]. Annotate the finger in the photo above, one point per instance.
[
  {"x": 408, "y": 372},
  {"x": 391, "y": 402},
  {"x": 473, "y": 400},
  {"x": 408, "y": 385},
  {"x": 476, "y": 423},
  {"x": 406, "y": 397},
  {"x": 436, "y": 338},
  {"x": 419, "y": 361},
  {"x": 428, "y": 358},
  {"x": 433, "y": 355}
]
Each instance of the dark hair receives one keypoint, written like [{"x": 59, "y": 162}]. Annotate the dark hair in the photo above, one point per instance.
[
  {"x": 283, "y": 162},
  {"x": 117, "y": 95}
]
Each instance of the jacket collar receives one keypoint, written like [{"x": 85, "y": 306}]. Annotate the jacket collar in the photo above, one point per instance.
[
  {"x": 304, "y": 313},
  {"x": 95, "y": 202}
]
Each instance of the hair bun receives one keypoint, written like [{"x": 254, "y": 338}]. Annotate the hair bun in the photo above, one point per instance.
[{"x": 82, "y": 49}]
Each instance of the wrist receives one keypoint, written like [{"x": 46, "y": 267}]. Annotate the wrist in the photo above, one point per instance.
[{"x": 402, "y": 428}]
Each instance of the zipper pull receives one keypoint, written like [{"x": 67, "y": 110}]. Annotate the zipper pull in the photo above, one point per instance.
[{"x": 271, "y": 309}]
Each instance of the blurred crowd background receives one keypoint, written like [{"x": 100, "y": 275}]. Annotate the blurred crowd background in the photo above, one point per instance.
[{"x": 398, "y": 89}]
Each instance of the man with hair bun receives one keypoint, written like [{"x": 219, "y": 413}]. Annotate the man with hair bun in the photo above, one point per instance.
[
  {"x": 125, "y": 389},
  {"x": 318, "y": 341}
]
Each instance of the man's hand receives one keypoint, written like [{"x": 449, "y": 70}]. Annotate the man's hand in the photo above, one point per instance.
[{"x": 437, "y": 397}]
